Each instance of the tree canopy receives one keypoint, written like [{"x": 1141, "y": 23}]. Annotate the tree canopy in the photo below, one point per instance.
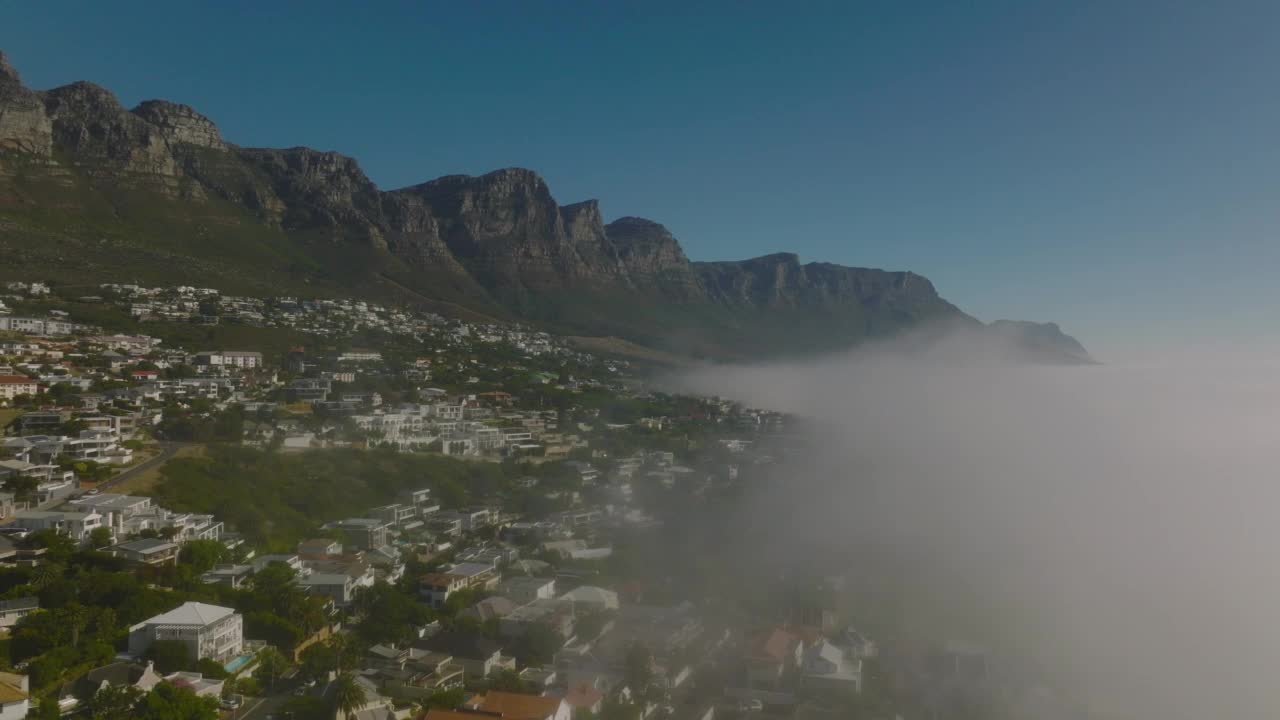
[{"x": 348, "y": 695}]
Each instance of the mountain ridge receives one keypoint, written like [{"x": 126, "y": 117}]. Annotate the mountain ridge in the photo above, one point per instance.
[{"x": 158, "y": 183}]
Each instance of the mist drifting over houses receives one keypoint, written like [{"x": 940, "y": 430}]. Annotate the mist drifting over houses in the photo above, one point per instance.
[{"x": 1111, "y": 525}]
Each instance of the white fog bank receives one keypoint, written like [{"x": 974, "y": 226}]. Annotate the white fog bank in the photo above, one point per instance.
[{"x": 1126, "y": 516}]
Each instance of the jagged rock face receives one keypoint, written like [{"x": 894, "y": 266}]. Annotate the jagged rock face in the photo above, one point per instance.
[
  {"x": 504, "y": 227},
  {"x": 832, "y": 282},
  {"x": 768, "y": 280},
  {"x": 584, "y": 227},
  {"x": 180, "y": 123},
  {"x": 320, "y": 190},
  {"x": 646, "y": 247},
  {"x": 413, "y": 234},
  {"x": 8, "y": 73},
  {"x": 102, "y": 136},
  {"x": 653, "y": 259},
  {"x": 780, "y": 280},
  {"x": 507, "y": 210},
  {"x": 24, "y": 126}
]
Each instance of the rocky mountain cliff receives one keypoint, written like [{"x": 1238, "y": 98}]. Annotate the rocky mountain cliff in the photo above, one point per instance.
[
  {"x": 157, "y": 191},
  {"x": 24, "y": 124}
]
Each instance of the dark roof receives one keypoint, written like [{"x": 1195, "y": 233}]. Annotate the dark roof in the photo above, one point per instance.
[
  {"x": 146, "y": 545},
  {"x": 459, "y": 643},
  {"x": 117, "y": 673},
  {"x": 22, "y": 603},
  {"x": 386, "y": 651}
]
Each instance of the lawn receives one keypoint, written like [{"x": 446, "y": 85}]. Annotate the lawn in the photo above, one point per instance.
[{"x": 145, "y": 481}]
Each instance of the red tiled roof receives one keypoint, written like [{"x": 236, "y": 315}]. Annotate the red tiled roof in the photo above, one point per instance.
[
  {"x": 16, "y": 380},
  {"x": 809, "y": 634},
  {"x": 777, "y": 645},
  {"x": 515, "y": 706},
  {"x": 583, "y": 696},
  {"x": 438, "y": 714}
]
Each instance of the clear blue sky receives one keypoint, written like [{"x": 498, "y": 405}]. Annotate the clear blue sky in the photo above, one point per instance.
[{"x": 1109, "y": 165}]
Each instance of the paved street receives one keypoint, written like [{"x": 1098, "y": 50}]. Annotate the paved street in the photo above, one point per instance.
[
  {"x": 264, "y": 706},
  {"x": 167, "y": 451}
]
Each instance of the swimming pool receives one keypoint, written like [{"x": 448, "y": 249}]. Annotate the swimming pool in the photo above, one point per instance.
[{"x": 238, "y": 663}]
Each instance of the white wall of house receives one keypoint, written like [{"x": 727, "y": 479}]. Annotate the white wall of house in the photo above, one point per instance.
[{"x": 14, "y": 710}]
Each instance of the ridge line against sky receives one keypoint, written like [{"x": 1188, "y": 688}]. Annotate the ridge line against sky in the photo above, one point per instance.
[{"x": 1107, "y": 166}]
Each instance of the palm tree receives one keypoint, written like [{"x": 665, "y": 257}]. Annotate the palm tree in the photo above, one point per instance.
[
  {"x": 363, "y": 602},
  {"x": 43, "y": 575},
  {"x": 76, "y": 616},
  {"x": 341, "y": 645},
  {"x": 348, "y": 695},
  {"x": 271, "y": 664}
]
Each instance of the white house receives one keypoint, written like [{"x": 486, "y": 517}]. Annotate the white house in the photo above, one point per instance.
[
  {"x": 210, "y": 631},
  {"x": 830, "y": 666},
  {"x": 436, "y": 588},
  {"x": 524, "y": 590},
  {"x": 11, "y": 386},
  {"x": 228, "y": 358},
  {"x": 119, "y": 507},
  {"x": 148, "y": 551},
  {"x": 339, "y": 587},
  {"x": 14, "y": 698},
  {"x": 93, "y": 445},
  {"x": 186, "y": 526},
  {"x": 592, "y": 598},
  {"x": 291, "y": 559},
  {"x": 76, "y": 525},
  {"x": 36, "y": 326},
  {"x": 11, "y": 611},
  {"x": 197, "y": 683}
]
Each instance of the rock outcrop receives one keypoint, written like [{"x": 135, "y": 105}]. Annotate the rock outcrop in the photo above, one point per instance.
[
  {"x": 780, "y": 279},
  {"x": 585, "y": 229},
  {"x": 1043, "y": 341},
  {"x": 100, "y": 136},
  {"x": 24, "y": 126},
  {"x": 646, "y": 247},
  {"x": 320, "y": 190},
  {"x": 180, "y": 123}
]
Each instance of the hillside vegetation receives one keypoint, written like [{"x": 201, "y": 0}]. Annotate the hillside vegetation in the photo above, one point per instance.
[{"x": 280, "y": 498}]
